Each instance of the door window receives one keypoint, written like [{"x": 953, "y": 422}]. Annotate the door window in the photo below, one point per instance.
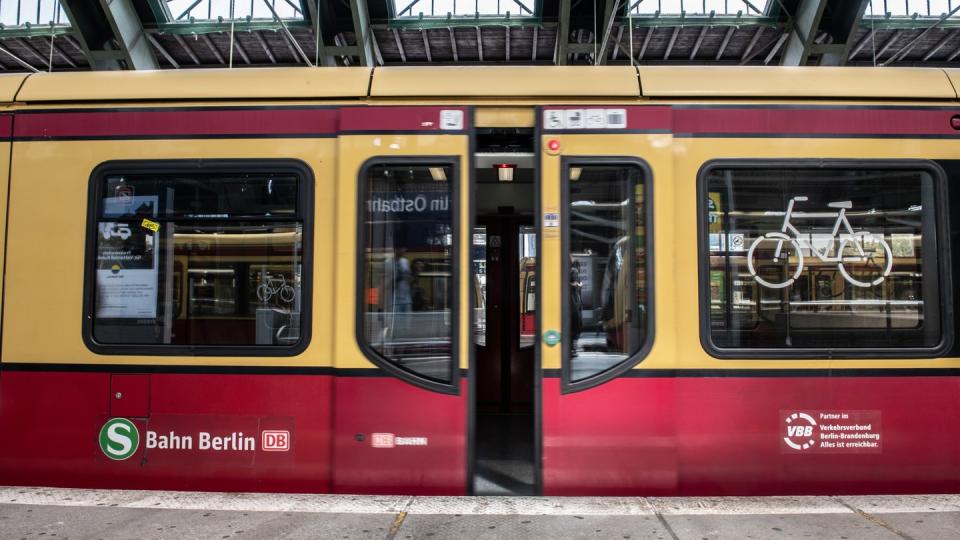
[
  {"x": 408, "y": 280},
  {"x": 606, "y": 268}
]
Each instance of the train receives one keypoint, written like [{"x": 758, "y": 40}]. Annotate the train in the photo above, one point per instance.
[{"x": 539, "y": 280}]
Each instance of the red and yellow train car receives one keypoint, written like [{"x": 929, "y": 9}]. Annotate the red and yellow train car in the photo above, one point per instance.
[{"x": 655, "y": 281}]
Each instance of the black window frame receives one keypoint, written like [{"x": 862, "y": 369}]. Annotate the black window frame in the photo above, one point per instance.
[
  {"x": 567, "y": 384},
  {"x": 944, "y": 276},
  {"x": 409, "y": 376},
  {"x": 305, "y": 200}
]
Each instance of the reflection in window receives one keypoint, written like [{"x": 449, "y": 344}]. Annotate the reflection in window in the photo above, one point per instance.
[
  {"x": 527, "y": 242},
  {"x": 822, "y": 258},
  {"x": 606, "y": 302},
  {"x": 479, "y": 263},
  {"x": 408, "y": 283},
  {"x": 180, "y": 257}
]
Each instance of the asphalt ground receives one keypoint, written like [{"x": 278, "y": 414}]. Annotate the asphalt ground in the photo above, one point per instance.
[{"x": 50, "y": 513}]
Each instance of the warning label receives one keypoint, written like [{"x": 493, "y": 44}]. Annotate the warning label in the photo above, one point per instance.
[{"x": 832, "y": 432}]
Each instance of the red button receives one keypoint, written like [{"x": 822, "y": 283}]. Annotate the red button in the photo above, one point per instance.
[
  {"x": 553, "y": 145},
  {"x": 955, "y": 122}
]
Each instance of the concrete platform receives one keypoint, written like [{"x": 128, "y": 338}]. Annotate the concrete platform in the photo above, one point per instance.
[{"x": 48, "y": 513}]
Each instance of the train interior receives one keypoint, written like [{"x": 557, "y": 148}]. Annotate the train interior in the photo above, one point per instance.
[{"x": 504, "y": 255}]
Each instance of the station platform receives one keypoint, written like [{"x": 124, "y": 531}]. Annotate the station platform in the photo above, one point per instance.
[{"x": 50, "y": 513}]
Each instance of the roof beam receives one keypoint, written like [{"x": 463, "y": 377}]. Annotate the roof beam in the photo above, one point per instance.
[
  {"x": 111, "y": 34},
  {"x": 209, "y": 43},
  {"x": 900, "y": 54},
  {"x": 265, "y": 47},
  {"x": 753, "y": 42},
  {"x": 361, "y": 28},
  {"x": 453, "y": 45},
  {"x": 190, "y": 53},
  {"x": 312, "y": 10},
  {"x": 869, "y": 37},
  {"x": 845, "y": 21},
  {"x": 396, "y": 37},
  {"x": 33, "y": 52},
  {"x": 725, "y": 42},
  {"x": 696, "y": 45},
  {"x": 563, "y": 33},
  {"x": 616, "y": 42},
  {"x": 940, "y": 44},
  {"x": 805, "y": 23},
  {"x": 672, "y": 42},
  {"x": 426, "y": 44},
  {"x": 479, "y": 44},
  {"x": 507, "y": 42},
  {"x": 56, "y": 48},
  {"x": 19, "y": 60},
  {"x": 611, "y": 10},
  {"x": 533, "y": 53},
  {"x": 166, "y": 54},
  {"x": 646, "y": 43}
]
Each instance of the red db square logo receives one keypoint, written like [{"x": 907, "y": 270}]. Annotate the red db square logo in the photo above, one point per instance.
[
  {"x": 275, "y": 441},
  {"x": 381, "y": 440}
]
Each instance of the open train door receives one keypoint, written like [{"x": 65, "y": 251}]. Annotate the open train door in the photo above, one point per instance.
[
  {"x": 606, "y": 426},
  {"x": 402, "y": 303}
]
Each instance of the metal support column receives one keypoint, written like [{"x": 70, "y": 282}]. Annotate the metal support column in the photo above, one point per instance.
[{"x": 111, "y": 34}]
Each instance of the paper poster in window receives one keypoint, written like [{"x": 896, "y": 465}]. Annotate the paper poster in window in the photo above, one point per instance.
[{"x": 127, "y": 261}]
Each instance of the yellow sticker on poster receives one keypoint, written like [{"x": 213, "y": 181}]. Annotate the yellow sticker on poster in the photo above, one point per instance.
[{"x": 151, "y": 225}]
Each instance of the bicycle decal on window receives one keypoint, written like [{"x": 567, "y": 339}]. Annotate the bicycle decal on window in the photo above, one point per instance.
[
  {"x": 275, "y": 285},
  {"x": 852, "y": 248}
]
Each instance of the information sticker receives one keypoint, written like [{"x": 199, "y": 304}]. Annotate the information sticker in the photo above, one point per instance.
[{"x": 150, "y": 225}]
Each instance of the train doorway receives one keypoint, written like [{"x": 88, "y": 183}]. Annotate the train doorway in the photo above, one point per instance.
[{"x": 504, "y": 261}]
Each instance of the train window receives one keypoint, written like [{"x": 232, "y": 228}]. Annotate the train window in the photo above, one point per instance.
[
  {"x": 805, "y": 260},
  {"x": 606, "y": 265},
  {"x": 205, "y": 259},
  {"x": 407, "y": 263}
]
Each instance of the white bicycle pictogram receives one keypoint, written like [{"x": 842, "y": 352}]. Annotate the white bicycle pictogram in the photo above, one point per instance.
[
  {"x": 855, "y": 240},
  {"x": 275, "y": 285}
]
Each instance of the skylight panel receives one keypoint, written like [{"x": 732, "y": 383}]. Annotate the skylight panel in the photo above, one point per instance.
[
  {"x": 202, "y": 10},
  {"x": 698, "y": 7},
  {"x": 463, "y": 8},
  {"x": 911, "y": 8},
  {"x": 34, "y": 12}
]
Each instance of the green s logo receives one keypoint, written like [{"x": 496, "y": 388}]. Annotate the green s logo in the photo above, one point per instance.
[{"x": 119, "y": 439}]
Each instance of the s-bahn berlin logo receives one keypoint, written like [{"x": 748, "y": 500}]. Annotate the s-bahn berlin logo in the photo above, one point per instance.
[
  {"x": 119, "y": 439},
  {"x": 800, "y": 427}
]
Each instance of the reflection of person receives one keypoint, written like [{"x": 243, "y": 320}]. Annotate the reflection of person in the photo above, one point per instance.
[
  {"x": 396, "y": 282},
  {"x": 576, "y": 306},
  {"x": 401, "y": 283},
  {"x": 418, "y": 296}
]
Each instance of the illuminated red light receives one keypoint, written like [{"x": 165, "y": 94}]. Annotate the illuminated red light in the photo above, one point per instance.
[
  {"x": 553, "y": 145},
  {"x": 505, "y": 171}
]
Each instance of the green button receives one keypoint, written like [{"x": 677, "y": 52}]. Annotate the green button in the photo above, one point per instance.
[{"x": 551, "y": 338}]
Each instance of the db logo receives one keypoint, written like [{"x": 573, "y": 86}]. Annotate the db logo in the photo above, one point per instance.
[
  {"x": 800, "y": 431},
  {"x": 381, "y": 440},
  {"x": 275, "y": 441}
]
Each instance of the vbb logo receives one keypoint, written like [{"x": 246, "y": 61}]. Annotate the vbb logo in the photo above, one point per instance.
[
  {"x": 800, "y": 431},
  {"x": 119, "y": 439},
  {"x": 275, "y": 440}
]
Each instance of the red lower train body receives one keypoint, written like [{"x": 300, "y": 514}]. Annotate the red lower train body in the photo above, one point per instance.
[{"x": 647, "y": 435}]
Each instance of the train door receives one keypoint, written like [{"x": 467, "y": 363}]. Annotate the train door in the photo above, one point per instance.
[
  {"x": 403, "y": 300},
  {"x": 504, "y": 258},
  {"x": 604, "y": 428}
]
